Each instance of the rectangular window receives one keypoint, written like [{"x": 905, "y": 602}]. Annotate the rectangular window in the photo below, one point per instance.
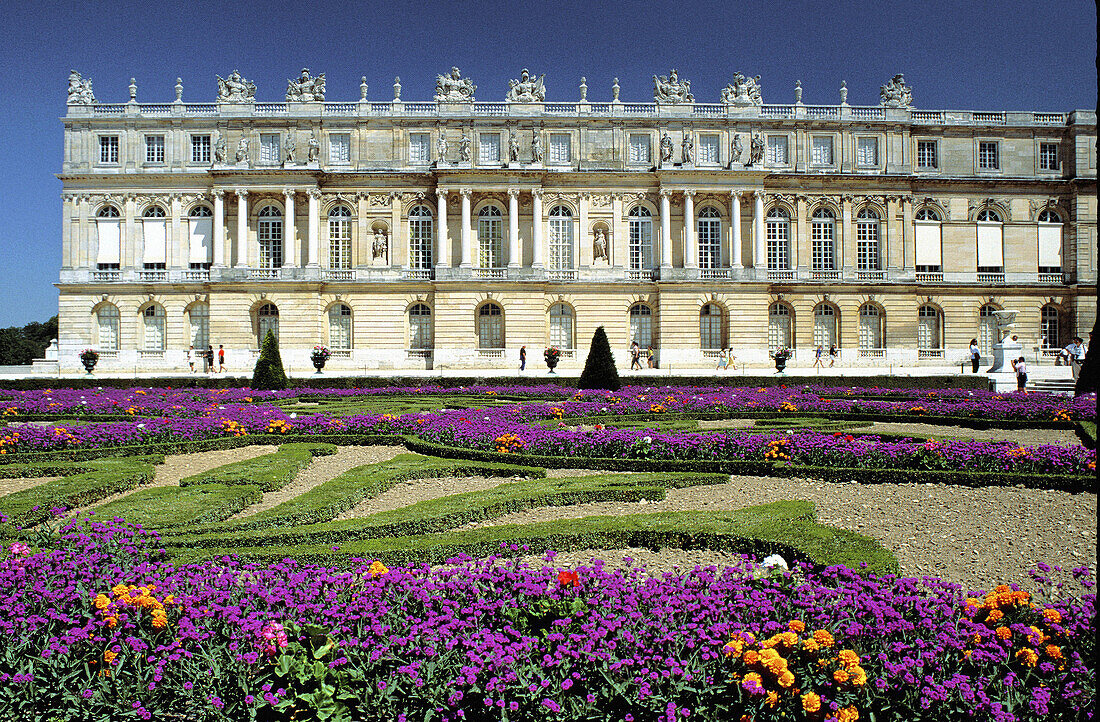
[
  {"x": 559, "y": 148},
  {"x": 821, "y": 246},
  {"x": 154, "y": 149},
  {"x": 708, "y": 150},
  {"x": 200, "y": 149},
  {"x": 339, "y": 148},
  {"x": 867, "y": 246},
  {"x": 639, "y": 148},
  {"x": 419, "y": 149},
  {"x": 488, "y": 148},
  {"x": 108, "y": 149},
  {"x": 927, "y": 157},
  {"x": 821, "y": 150},
  {"x": 1048, "y": 156},
  {"x": 777, "y": 150},
  {"x": 987, "y": 155},
  {"x": 269, "y": 148},
  {"x": 867, "y": 152}
]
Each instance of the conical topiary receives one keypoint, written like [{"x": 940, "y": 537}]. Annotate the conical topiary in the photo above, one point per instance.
[
  {"x": 268, "y": 374},
  {"x": 599, "y": 368},
  {"x": 1089, "y": 377}
]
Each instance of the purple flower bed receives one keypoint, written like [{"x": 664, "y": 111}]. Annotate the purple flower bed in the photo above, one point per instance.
[{"x": 99, "y": 626}]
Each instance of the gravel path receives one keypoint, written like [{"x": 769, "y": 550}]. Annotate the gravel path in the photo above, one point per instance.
[
  {"x": 10, "y": 486},
  {"x": 322, "y": 469},
  {"x": 411, "y": 492},
  {"x": 1024, "y": 437}
]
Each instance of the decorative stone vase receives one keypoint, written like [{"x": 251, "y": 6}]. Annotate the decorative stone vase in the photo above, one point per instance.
[
  {"x": 89, "y": 363},
  {"x": 551, "y": 364},
  {"x": 780, "y": 363},
  {"x": 318, "y": 363}
]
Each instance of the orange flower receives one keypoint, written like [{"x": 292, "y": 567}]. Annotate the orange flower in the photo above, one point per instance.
[
  {"x": 772, "y": 699},
  {"x": 847, "y": 714},
  {"x": 1054, "y": 651},
  {"x": 841, "y": 676},
  {"x": 823, "y": 637},
  {"x": 859, "y": 677},
  {"x": 1004, "y": 633},
  {"x": 101, "y": 601},
  {"x": 111, "y": 621},
  {"x": 1027, "y": 656},
  {"x": 109, "y": 656},
  {"x": 752, "y": 656},
  {"x": 810, "y": 645},
  {"x": 811, "y": 702},
  {"x": 848, "y": 658},
  {"x": 995, "y": 616},
  {"x": 377, "y": 568},
  {"x": 796, "y": 625},
  {"x": 1052, "y": 616},
  {"x": 786, "y": 679}
]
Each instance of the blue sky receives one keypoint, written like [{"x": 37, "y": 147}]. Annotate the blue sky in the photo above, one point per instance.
[{"x": 1007, "y": 55}]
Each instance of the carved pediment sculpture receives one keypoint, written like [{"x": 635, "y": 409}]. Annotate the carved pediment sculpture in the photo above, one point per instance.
[
  {"x": 236, "y": 89},
  {"x": 80, "y": 90},
  {"x": 896, "y": 94},
  {"x": 527, "y": 89},
  {"x": 453, "y": 88},
  {"x": 219, "y": 148},
  {"x": 671, "y": 89},
  {"x": 743, "y": 91},
  {"x": 306, "y": 89}
]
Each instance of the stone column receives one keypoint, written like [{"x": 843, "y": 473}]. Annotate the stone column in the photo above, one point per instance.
[
  {"x": 290, "y": 259},
  {"x": 735, "y": 226},
  {"x": 243, "y": 253},
  {"x": 759, "y": 242},
  {"x": 465, "y": 235},
  {"x": 846, "y": 256},
  {"x": 219, "y": 228},
  {"x": 443, "y": 259},
  {"x": 536, "y": 227},
  {"x": 666, "y": 230},
  {"x": 178, "y": 251},
  {"x": 314, "y": 232},
  {"x": 689, "y": 229},
  {"x": 514, "y": 258},
  {"x": 129, "y": 255}
]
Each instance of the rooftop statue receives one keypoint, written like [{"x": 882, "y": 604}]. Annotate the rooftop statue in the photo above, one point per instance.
[
  {"x": 672, "y": 89},
  {"x": 454, "y": 88},
  {"x": 896, "y": 94},
  {"x": 742, "y": 91},
  {"x": 306, "y": 89},
  {"x": 526, "y": 89},
  {"x": 80, "y": 90},
  {"x": 236, "y": 89}
]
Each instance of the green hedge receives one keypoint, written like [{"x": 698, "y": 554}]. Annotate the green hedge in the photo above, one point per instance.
[
  {"x": 1061, "y": 482},
  {"x": 970, "y": 422},
  {"x": 269, "y": 472},
  {"x": 171, "y": 506},
  {"x": 1086, "y": 432}
]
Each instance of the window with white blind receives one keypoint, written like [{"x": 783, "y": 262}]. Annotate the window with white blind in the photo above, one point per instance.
[
  {"x": 269, "y": 232},
  {"x": 929, "y": 328},
  {"x": 779, "y": 327},
  {"x": 490, "y": 238},
  {"x": 200, "y": 149},
  {"x": 867, "y": 152},
  {"x": 339, "y": 326},
  {"x": 712, "y": 327},
  {"x": 867, "y": 255},
  {"x": 339, "y": 237},
  {"x": 559, "y": 149},
  {"x": 822, "y": 240},
  {"x": 108, "y": 149},
  {"x": 641, "y": 325},
  {"x": 420, "y": 149},
  {"x": 927, "y": 241},
  {"x": 990, "y": 242},
  {"x": 777, "y": 233},
  {"x": 153, "y": 326},
  {"x": 339, "y": 147},
  {"x": 154, "y": 149},
  {"x": 108, "y": 238},
  {"x": 639, "y": 148},
  {"x": 776, "y": 153},
  {"x": 420, "y": 326},
  {"x": 269, "y": 149},
  {"x": 200, "y": 241},
  {"x": 561, "y": 238},
  {"x": 640, "y": 229},
  {"x": 561, "y": 325},
  {"x": 826, "y": 324},
  {"x": 154, "y": 238},
  {"x": 821, "y": 150},
  {"x": 988, "y": 155},
  {"x": 488, "y": 149},
  {"x": 708, "y": 150},
  {"x": 872, "y": 322},
  {"x": 490, "y": 326},
  {"x": 107, "y": 323},
  {"x": 1050, "y": 242},
  {"x": 1048, "y": 156},
  {"x": 420, "y": 237},
  {"x": 709, "y": 233},
  {"x": 1049, "y": 327},
  {"x": 927, "y": 154}
]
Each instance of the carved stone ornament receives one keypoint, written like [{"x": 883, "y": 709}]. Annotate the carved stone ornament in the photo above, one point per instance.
[
  {"x": 314, "y": 149},
  {"x": 736, "y": 148},
  {"x": 464, "y": 152},
  {"x": 236, "y": 89},
  {"x": 377, "y": 201},
  {"x": 599, "y": 245},
  {"x": 80, "y": 90},
  {"x": 756, "y": 151},
  {"x": 513, "y": 147},
  {"x": 219, "y": 148},
  {"x": 289, "y": 148},
  {"x": 743, "y": 91},
  {"x": 306, "y": 89},
  {"x": 378, "y": 247},
  {"x": 536, "y": 147},
  {"x": 687, "y": 150},
  {"x": 454, "y": 88},
  {"x": 896, "y": 94},
  {"x": 602, "y": 201},
  {"x": 527, "y": 89},
  {"x": 242, "y": 149},
  {"x": 671, "y": 90},
  {"x": 666, "y": 148}
]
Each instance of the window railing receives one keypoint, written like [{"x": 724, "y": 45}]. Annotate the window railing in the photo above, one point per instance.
[
  {"x": 775, "y": 275},
  {"x": 639, "y": 109},
  {"x": 152, "y": 276},
  {"x": 825, "y": 112},
  {"x": 561, "y": 274},
  {"x": 870, "y": 275},
  {"x": 639, "y": 274},
  {"x": 713, "y": 353},
  {"x": 869, "y": 113},
  {"x": 872, "y": 353},
  {"x": 1050, "y": 351},
  {"x": 381, "y": 108},
  {"x": 714, "y": 274},
  {"x": 151, "y": 352},
  {"x": 420, "y": 353},
  {"x": 263, "y": 274},
  {"x": 991, "y": 278},
  {"x": 494, "y": 273},
  {"x": 106, "y": 276},
  {"x": 107, "y": 352},
  {"x": 994, "y": 118},
  {"x": 270, "y": 108},
  {"x": 420, "y": 108},
  {"x": 156, "y": 109},
  {"x": 568, "y": 352},
  {"x": 202, "y": 275},
  {"x": 560, "y": 108},
  {"x": 417, "y": 274},
  {"x": 202, "y": 109},
  {"x": 1052, "y": 278},
  {"x": 339, "y": 108},
  {"x": 490, "y": 353},
  {"x": 927, "y": 353},
  {"x": 930, "y": 277},
  {"x": 824, "y": 275},
  {"x": 1049, "y": 118},
  {"x": 340, "y": 352},
  {"x": 333, "y": 274},
  {"x": 925, "y": 116}
]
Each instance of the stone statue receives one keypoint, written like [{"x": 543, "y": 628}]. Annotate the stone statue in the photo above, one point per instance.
[
  {"x": 242, "y": 149},
  {"x": 1006, "y": 321},
  {"x": 615, "y": 91},
  {"x": 756, "y": 151},
  {"x": 378, "y": 248},
  {"x": 896, "y": 94},
  {"x": 454, "y": 88},
  {"x": 397, "y": 88},
  {"x": 236, "y": 89},
  {"x": 363, "y": 87},
  {"x": 584, "y": 89},
  {"x": 314, "y": 149},
  {"x": 599, "y": 246},
  {"x": 441, "y": 148},
  {"x": 80, "y": 90},
  {"x": 513, "y": 148},
  {"x": 736, "y": 148},
  {"x": 464, "y": 149},
  {"x": 666, "y": 148},
  {"x": 798, "y": 91},
  {"x": 671, "y": 89},
  {"x": 306, "y": 89},
  {"x": 687, "y": 148},
  {"x": 526, "y": 89},
  {"x": 288, "y": 147},
  {"x": 742, "y": 91},
  {"x": 536, "y": 147},
  {"x": 219, "y": 148},
  {"x": 843, "y": 92}
]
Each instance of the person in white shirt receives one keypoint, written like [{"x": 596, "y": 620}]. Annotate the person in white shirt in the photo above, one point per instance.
[
  {"x": 1020, "y": 367},
  {"x": 1076, "y": 353},
  {"x": 975, "y": 354},
  {"x": 191, "y": 358}
]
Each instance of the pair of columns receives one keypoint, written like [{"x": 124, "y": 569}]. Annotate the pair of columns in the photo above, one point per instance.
[
  {"x": 243, "y": 248},
  {"x": 466, "y": 237},
  {"x": 690, "y": 261}
]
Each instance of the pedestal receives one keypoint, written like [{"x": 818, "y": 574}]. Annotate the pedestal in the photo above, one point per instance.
[{"x": 1003, "y": 354}]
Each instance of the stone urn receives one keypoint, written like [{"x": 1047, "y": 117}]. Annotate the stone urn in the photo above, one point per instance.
[
  {"x": 551, "y": 363},
  {"x": 780, "y": 362},
  {"x": 318, "y": 363},
  {"x": 89, "y": 363}
]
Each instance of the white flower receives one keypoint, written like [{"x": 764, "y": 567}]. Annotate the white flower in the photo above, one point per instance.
[
  {"x": 647, "y": 439},
  {"x": 775, "y": 561},
  {"x": 141, "y": 426},
  {"x": 294, "y": 415}
]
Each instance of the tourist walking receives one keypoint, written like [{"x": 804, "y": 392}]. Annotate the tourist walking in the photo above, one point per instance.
[
  {"x": 209, "y": 358},
  {"x": 833, "y": 355},
  {"x": 1076, "y": 353},
  {"x": 1020, "y": 367},
  {"x": 650, "y": 358},
  {"x": 721, "y": 360},
  {"x": 731, "y": 363},
  {"x": 817, "y": 356},
  {"x": 635, "y": 356},
  {"x": 975, "y": 354},
  {"x": 191, "y": 358},
  {"x": 221, "y": 358},
  {"x": 522, "y": 358}
]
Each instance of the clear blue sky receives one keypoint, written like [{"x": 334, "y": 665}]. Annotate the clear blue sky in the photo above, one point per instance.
[{"x": 983, "y": 55}]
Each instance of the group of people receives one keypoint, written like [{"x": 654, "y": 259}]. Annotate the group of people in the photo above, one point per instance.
[
  {"x": 819, "y": 356},
  {"x": 1073, "y": 355},
  {"x": 206, "y": 355},
  {"x": 726, "y": 360},
  {"x": 636, "y": 357}
]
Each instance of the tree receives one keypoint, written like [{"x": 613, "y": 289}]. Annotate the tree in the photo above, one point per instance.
[
  {"x": 20, "y": 346},
  {"x": 599, "y": 368},
  {"x": 268, "y": 374},
  {"x": 1088, "y": 378}
]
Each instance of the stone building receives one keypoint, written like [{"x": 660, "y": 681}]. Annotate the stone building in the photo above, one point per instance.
[{"x": 449, "y": 233}]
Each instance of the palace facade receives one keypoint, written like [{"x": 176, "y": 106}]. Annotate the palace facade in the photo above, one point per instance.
[{"x": 450, "y": 233}]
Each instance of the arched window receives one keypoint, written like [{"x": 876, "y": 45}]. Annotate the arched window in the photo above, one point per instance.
[
  {"x": 826, "y": 326},
  {"x": 712, "y": 327},
  {"x": 200, "y": 242},
  {"x": 1050, "y": 244},
  {"x": 107, "y": 212},
  {"x": 987, "y": 329},
  {"x": 154, "y": 212},
  {"x": 154, "y": 237},
  {"x": 867, "y": 255},
  {"x": 201, "y": 212},
  {"x": 641, "y": 325},
  {"x": 929, "y": 329},
  {"x": 267, "y": 319},
  {"x": 822, "y": 235},
  {"x": 339, "y": 237},
  {"x": 641, "y": 238},
  {"x": 198, "y": 317},
  {"x": 270, "y": 235},
  {"x": 928, "y": 214},
  {"x": 1049, "y": 216},
  {"x": 420, "y": 237},
  {"x": 420, "y": 326},
  {"x": 779, "y": 328},
  {"x": 109, "y": 239},
  {"x": 778, "y": 234},
  {"x": 490, "y": 326},
  {"x": 339, "y": 326},
  {"x": 872, "y": 330},
  {"x": 561, "y": 326},
  {"x": 927, "y": 241},
  {"x": 1050, "y": 328},
  {"x": 107, "y": 324},
  {"x": 153, "y": 321},
  {"x": 988, "y": 215},
  {"x": 561, "y": 238},
  {"x": 490, "y": 238},
  {"x": 709, "y": 233}
]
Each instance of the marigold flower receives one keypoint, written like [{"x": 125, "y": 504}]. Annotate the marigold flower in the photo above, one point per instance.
[
  {"x": 810, "y": 645},
  {"x": 994, "y": 616},
  {"x": 733, "y": 647},
  {"x": 841, "y": 676},
  {"x": 848, "y": 658},
  {"x": 376, "y": 568},
  {"x": 160, "y": 622},
  {"x": 786, "y": 679},
  {"x": 847, "y": 714},
  {"x": 811, "y": 702},
  {"x": 823, "y": 637},
  {"x": 1004, "y": 633},
  {"x": 751, "y": 656},
  {"x": 109, "y": 656},
  {"x": 753, "y": 683},
  {"x": 796, "y": 625},
  {"x": 1054, "y": 651},
  {"x": 102, "y": 601},
  {"x": 111, "y": 621},
  {"x": 1052, "y": 616},
  {"x": 859, "y": 677},
  {"x": 772, "y": 699},
  {"x": 1027, "y": 656}
]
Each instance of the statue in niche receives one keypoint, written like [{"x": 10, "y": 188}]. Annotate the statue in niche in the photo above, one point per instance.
[
  {"x": 441, "y": 148},
  {"x": 513, "y": 148},
  {"x": 536, "y": 147},
  {"x": 306, "y": 89},
  {"x": 454, "y": 88},
  {"x": 526, "y": 89},
  {"x": 599, "y": 246},
  {"x": 666, "y": 148},
  {"x": 896, "y": 94},
  {"x": 378, "y": 248},
  {"x": 219, "y": 148},
  {"x": 687, "y": 149},
  {"x": 80, "y": 90},
  {"x": 236, "y": 89},
  {"x": 736, "y": 148},
  {"x": 742, "y": 91},
  {"x": 464, "y": 149},
  {"x": 314, "y": 149},
  {"x": 289, "y": 148},
  {"x": 242, "y": 149},
  {"x": 756, "y": 151},
  {"x": 671, "y": 89}
]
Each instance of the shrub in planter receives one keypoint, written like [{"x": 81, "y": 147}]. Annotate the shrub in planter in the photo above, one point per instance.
[
  {"x": 599, "y": 368},
  {"x": 268, "y": 374},
  {"x": 319, "y": 356},
  {"x": 552, "y": 356},
  {"x": 89, "y": 357}
]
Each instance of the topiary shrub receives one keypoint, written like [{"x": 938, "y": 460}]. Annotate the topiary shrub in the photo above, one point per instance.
[
  {"x": 1088, "y": 381},
  {"x": 268, "y": 374},
  {"x": 599, "y": 368}
]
